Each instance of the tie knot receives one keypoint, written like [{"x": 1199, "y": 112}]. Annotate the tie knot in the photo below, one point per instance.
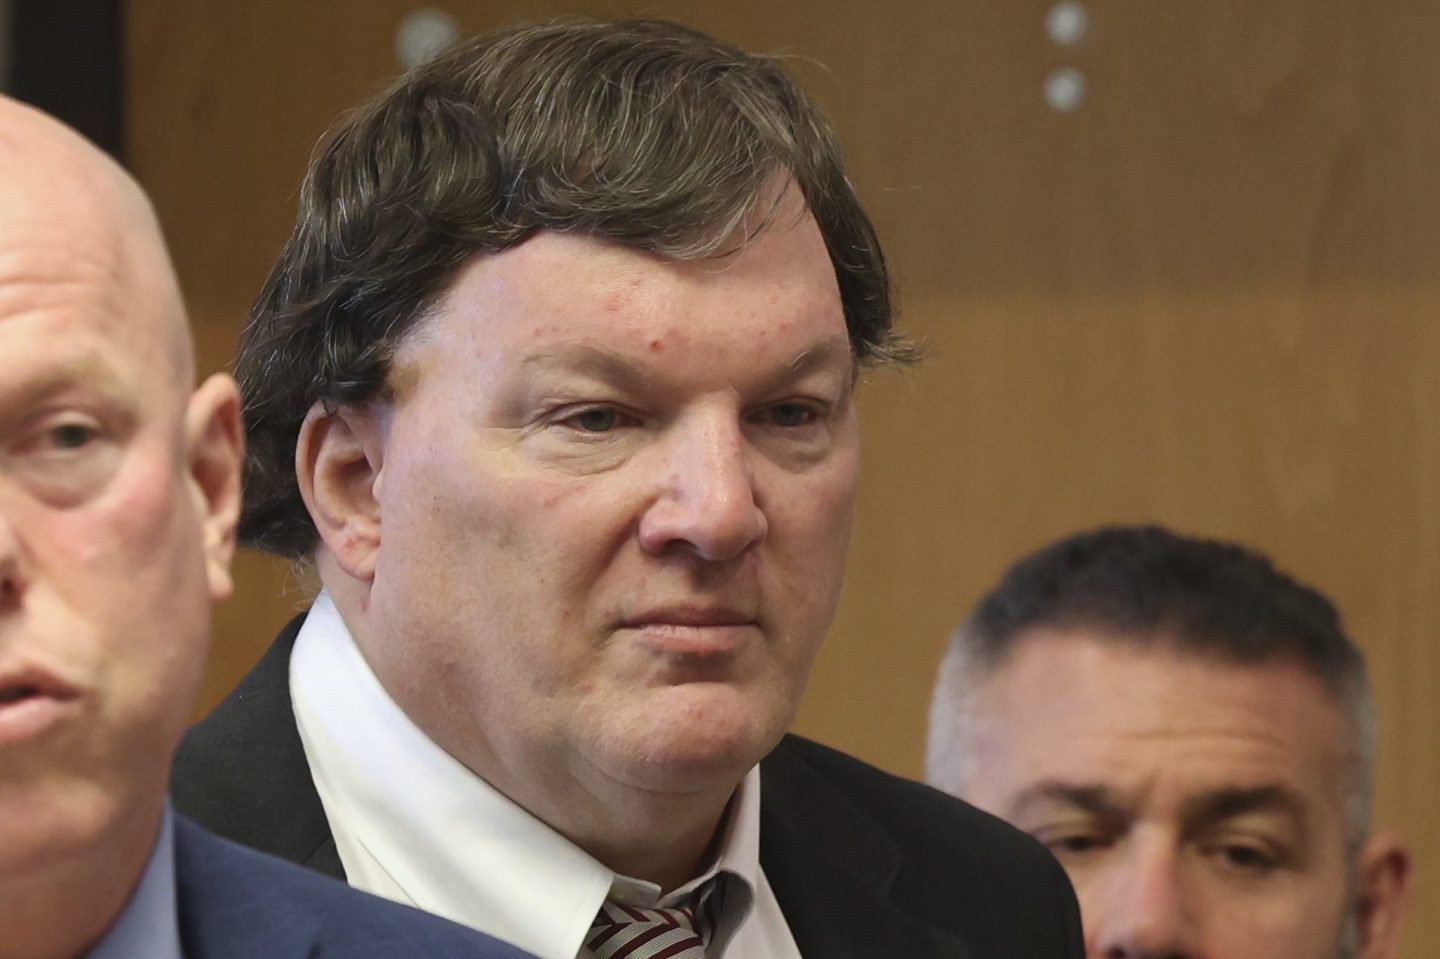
[{"x": 633, "y": 932}]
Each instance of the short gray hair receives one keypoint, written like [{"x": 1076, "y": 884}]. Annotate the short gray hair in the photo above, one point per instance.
[{"x": 1148, "y": 586}]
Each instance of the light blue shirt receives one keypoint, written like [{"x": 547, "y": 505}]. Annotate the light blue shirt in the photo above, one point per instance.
[{"x": 149, "y": 926}]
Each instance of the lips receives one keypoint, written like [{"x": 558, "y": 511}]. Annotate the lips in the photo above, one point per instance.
[
  {"x": 21, "y": 684},
  {"x": 695, "y": 616},
  {"x": 32, "y": 701},
  {"x": 13, "y": 694},
  {"x": 692, "y": 632}
]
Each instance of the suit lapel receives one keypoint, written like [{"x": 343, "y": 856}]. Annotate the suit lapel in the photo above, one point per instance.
[{"x": 832, "y": 869}]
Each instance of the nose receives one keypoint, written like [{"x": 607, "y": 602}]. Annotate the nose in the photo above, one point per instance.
[
  {"x": 706, "y": 504},
  {"x": 1140, "y": 909}
]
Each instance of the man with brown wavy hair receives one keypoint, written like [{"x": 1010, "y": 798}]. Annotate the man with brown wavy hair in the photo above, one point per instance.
[{"x": 554, "y": 383}]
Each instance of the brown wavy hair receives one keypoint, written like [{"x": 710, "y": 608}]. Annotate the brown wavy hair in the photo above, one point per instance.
[{"x": 645, "y": 133}]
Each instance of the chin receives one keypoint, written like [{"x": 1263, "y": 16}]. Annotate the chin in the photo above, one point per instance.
[
  {"x": 42, "y": 828},
  {"x": 701, "y": 747}
]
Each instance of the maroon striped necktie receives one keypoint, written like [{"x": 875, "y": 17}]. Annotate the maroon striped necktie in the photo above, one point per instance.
[{"x": 629, "y": 932}]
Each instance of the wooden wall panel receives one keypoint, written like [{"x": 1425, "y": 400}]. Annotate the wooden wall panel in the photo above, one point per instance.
[{"x": 1209, "y": 297}]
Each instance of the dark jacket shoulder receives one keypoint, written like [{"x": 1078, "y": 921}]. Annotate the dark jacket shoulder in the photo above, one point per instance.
[
  {"x": 940, "y": 861},
  {"x": 242, "y": 773}
]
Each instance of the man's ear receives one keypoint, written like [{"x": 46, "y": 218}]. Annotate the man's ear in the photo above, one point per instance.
[
  {"x": 339, "y": 459},
  {"x": 1382, "y": 896},
  {"x": 215, "y": 441}
]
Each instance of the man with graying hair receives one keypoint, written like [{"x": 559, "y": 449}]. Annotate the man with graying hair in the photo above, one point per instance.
[
  {"x": 119, "y": 494},
  {"x": 1190, "y": 731},
  {"x": 554, "y": 384}
]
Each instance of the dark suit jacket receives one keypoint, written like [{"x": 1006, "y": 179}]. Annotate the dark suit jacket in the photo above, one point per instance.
[
  {"x": 235, "y": 903},
  {"x": 862, "y": 863}
]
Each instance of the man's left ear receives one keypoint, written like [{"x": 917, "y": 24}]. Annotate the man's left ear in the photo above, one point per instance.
[
  {"x": 215, "y": 439},
  {"x": 1382, "y": 895}
]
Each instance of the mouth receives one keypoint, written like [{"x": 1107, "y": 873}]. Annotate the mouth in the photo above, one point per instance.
[
  {"x": 31, "y": 703},
  {"x": 689, "y": 616},
  {"x": 691, "y": 631},
  {"x": 14, "y": 694},
  {"x": 20, "y": 684}
]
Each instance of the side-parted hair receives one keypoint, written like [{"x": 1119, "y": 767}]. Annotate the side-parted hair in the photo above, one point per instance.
[
  {"x": 1147, "y": 586},
  {"x": 644, "y": 133}
]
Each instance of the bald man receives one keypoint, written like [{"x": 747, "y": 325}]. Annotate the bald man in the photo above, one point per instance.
[{"x": 119, "y": 493}]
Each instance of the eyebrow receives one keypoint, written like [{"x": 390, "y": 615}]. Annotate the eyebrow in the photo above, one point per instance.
[
  {"x": 608, "y": 365},
  {"x": 30, "y": 386},
  {"x": 1207, "y": 808},
  {"x": 828, "y": 353},
  {"x": 1221, "y": 804},
  {"x": 1093, "y": 798}
]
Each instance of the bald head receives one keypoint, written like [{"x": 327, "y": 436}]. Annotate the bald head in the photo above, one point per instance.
[
  {"x": 119, "y": 492},
  {"x": 69, "y": 214}
]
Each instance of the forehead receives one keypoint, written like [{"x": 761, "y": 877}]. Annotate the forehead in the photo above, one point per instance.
[
  {"x": 81, "y": 286},
  {"x": 64, "y": 309},
  {"x": 777, "y": 290},
  {"x": 1148, "y": 721},
  {"x": 46, "y": 268}
]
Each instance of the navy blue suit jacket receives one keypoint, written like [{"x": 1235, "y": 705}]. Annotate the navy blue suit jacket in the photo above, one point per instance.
[{"x": 235, "y": 903}]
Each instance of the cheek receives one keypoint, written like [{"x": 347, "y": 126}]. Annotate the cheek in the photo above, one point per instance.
[
  {"x": 810, "y": 534},
  {"x": 1313, "y": 912},
  {"x": 497, "y": 541},
  {"x": 833, "y": 504},
  {"x": 482, "y": 572},
  {"x": 1242, "y": 934},
  {"x": 139, "y": 529},
  {"x": 129, "y": 573}
]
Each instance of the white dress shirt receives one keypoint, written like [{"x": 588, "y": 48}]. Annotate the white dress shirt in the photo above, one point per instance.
[
  {"x": 412, "y": 824},
  {"x": 149, "y": 925}
]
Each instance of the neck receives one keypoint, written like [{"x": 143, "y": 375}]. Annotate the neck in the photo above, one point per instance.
[
  {"x": 661, "y": 838},
  {"x": 60, "y": 904}
]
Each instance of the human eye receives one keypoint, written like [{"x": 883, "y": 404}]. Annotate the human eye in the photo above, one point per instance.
[
  {"x": 1077, "y": 845},
  {"x": 1246, "y": 857},
  {"x": 1070, "y": 842},
  {"x": 594, "y": 420},
  {"x": 67, "y": 437},
  {"x": 791, "y": 414},
  {"x": 58, "y": 437},
  {"x": 63, "y": 457}
]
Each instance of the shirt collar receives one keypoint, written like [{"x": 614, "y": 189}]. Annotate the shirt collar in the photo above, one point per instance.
[
  {"x": 473, "y": 855},
  {"x": 737, "y": 857},
  {"x": 149, "y": 925}
]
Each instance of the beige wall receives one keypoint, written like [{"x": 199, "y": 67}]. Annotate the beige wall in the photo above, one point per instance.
[{"x": 1209, "y": 297}]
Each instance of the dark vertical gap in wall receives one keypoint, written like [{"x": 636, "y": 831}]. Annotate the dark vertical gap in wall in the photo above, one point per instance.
[
  {"x": 5, "y": 53},
  {"x": 66, "y": 58}
]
